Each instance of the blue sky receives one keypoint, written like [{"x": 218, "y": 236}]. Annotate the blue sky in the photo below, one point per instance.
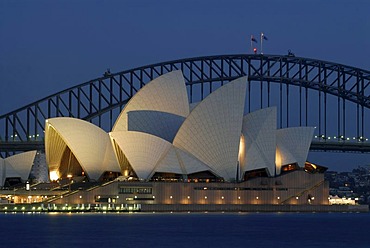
[{"x": 47, "y": 46}]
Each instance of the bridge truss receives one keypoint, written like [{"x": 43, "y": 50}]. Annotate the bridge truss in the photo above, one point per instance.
[{"x": 332, "y": 97}]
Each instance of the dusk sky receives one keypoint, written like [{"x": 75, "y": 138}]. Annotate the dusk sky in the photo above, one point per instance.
[{"x": 47, "y": 46}]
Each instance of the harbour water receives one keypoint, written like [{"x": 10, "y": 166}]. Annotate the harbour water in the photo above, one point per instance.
[{"x": 185, "y": 230}]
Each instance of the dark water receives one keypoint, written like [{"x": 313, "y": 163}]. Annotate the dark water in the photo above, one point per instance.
[{"x": 185, "y": 230}]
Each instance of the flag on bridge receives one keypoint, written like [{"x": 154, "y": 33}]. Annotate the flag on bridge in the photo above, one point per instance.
[
  {"x": 263, "y": 36},
  {"x": 253, "y": 39}
]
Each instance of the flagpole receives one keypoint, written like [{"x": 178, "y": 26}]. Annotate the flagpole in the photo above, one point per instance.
[{"x": 261, "y": 36}]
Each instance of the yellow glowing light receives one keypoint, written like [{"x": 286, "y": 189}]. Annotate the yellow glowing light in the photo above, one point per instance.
[
  {"x": 54, "y": 175},
  {"x": 278, "y": 158},
  {"x": 241, "y": 149}
]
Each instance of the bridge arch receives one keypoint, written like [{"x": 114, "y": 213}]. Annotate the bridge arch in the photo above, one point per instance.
[{"x": 333, "y": 97}]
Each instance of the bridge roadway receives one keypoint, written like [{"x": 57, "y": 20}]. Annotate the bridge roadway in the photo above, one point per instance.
[{"x": 324, "y": 145}]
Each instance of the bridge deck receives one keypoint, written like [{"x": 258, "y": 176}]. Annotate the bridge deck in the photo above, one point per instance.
[{"x": 340, "y": 146}]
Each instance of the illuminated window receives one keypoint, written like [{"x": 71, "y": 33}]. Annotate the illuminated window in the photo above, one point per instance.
[
  {"x": 289, "y": 167},
  {"x": 54, "y": 175}
]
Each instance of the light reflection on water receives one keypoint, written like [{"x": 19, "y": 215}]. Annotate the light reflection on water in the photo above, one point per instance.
[{"x": 185, "y": 230}]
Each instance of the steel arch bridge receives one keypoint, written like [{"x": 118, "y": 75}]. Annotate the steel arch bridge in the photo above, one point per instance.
[{"x": 334, "y": 98}]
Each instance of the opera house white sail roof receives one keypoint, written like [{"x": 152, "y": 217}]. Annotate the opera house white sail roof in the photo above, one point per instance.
[
  {"x": 292, "y": 146},
  {"x": 266, "y": 147},
  {"x": 18, "y": 165},
  {"x": 148, "y": 154},
  {"x": 212, "y": 130},
  {"x": 89, "y": 144},
  {"x": 166, "y": 93},
  {"x": 156, "y": 133},
  {"x": 259, "y": 131}
]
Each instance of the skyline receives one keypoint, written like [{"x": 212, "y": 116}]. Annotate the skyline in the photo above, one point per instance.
[{"x": 51, "y": 46}]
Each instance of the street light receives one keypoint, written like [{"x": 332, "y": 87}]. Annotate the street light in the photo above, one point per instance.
[{"x": 27, "y": 185}]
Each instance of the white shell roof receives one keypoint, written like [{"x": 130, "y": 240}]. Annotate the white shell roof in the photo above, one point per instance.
[
  {"x": 148, "y": 154},
  {"x": 259, "y": 130},
  {"x": 170, "y": 163},
  {"x": 166, "y": 93},
  {"x": 142, "y": 150},
  {"x": 212, "y": 130},
  {"x": 293, "y": 145},
  {"x": 191, "y": 164},
  {"x": 90, "y": 145},
  {"x": 161, "y": 124},
  {"x": 54, "y": 148},
  {"x": 180, "y": 162},
  {"x": 6, "y": 170},
  {"x": 18, "y": 165}
]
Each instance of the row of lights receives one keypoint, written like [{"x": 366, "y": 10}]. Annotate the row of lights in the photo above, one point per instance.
[
  {"x": 344, "y": 198},
  {"x": 30, "y": 136},
  {"x": 16, "y": 208},
  {"x": 360, "y": 138},
  {"x": 79, "y": 197},
  {"x": 29, "y": 197},
  {"x": 100, "y": 196},
  {"x": 222, "y": 197},
  {"x": 171, "y": 197},
  {"x": 33, "y": 136}
]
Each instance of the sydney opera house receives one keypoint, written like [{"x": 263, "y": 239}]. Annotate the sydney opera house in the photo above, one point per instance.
[{"x": 163, "y": 151}]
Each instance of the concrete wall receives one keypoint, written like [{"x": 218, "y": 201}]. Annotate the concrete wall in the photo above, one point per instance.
[{"x": 295, "y": 188}]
